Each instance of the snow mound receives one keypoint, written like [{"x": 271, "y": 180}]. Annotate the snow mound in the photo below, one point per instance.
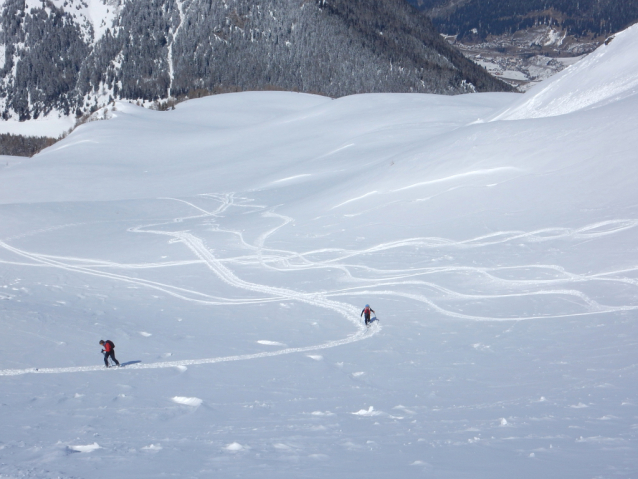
[
  {"x": 607, "y": 75},
  {"x": 234, "y": 447},
  {"x": 367, "y": 412},
  {"x": 194, "y": 402},
  {"x": 88, "y": 448},
  {"x": 265, "y": 342},
  {"x": 152, "y": 447}
]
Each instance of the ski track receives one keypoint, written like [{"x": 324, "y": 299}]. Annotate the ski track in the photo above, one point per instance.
[
  {"x": 282, "y": 260},
  {"x": 193, "y": 362},
  {"x": 197, "y": 247}
]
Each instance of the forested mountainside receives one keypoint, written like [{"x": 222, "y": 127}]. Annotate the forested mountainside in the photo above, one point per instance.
[
  {"x": 72, "y": 56},
  {"x": 480, "y": 18}
]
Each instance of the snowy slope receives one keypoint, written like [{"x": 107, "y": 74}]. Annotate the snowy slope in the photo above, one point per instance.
[
  {"x": 228, "y": 247},
  {"x": 606, "y": 76}
]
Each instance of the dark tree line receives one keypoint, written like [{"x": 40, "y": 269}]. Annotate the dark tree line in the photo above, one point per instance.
[
  {"x": 496, "y": 17},
  {"x": 18, "y": 145}
]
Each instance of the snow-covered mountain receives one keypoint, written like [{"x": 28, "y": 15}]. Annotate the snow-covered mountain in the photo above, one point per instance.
[
  {"x": 70, "y": 57},
  {"x": 227, "y": 248}
]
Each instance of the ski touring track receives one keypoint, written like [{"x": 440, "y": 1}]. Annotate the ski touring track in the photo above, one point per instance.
[
  {"x": 197, "y": 247},
  {"x": 282, "y": 260}
]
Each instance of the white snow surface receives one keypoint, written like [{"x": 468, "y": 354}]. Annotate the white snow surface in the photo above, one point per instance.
[
  {"x": 228, "y": 247},
  {"x": 53, "y": 125},
  {"x": 86, "y": 448},
  {"x": 194, "y": 402}
]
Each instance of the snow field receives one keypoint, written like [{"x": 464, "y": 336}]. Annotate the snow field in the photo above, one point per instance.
[{"x": 227, "y": 248}]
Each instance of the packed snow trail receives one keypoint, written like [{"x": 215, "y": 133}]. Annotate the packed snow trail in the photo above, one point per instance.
[
  {"x": 198, "y": 248},
  {"x": 193, "y": 362}
]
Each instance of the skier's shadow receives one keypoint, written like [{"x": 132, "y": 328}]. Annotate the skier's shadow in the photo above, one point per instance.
[
  {"x": 129, "y": 363},
  {"x": 372, "y": 320}
]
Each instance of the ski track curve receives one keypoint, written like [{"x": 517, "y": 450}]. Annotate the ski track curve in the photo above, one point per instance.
[
  {"x": 282, "y": 260},
  {"x": 198, "y": 248}
]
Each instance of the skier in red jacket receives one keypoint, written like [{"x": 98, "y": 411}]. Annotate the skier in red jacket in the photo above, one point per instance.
[
  {"x": 367, "y": 310},
  {"x": 109, "y": 351}
]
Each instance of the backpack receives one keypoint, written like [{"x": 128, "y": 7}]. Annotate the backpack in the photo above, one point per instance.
[
  {"x": 110, "y": 343},
  {"x": 366, "y": 310}
]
